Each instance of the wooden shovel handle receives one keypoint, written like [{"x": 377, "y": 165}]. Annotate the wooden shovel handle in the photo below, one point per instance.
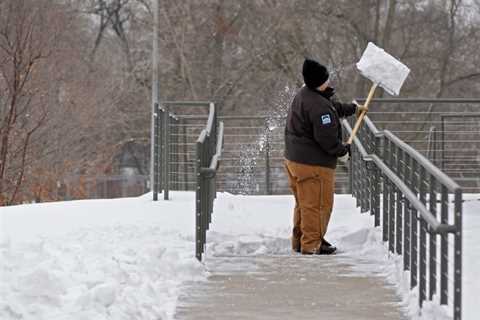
[{"x": 362, "y": 114}]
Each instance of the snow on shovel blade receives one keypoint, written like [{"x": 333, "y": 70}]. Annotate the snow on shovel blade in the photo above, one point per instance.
[{"x": 383, "y": 69}]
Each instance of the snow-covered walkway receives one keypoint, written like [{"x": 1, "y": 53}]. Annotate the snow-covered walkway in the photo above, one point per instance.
[
  {"x": 290, "y": 287},
  {"x": 254, "y": 275}
]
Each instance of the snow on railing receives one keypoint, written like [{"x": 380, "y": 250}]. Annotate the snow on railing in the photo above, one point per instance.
[{"x": 209, "y": 150}]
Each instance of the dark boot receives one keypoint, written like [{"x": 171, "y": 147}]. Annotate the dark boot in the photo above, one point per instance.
[
  {"x": 325, "y": 242},
  {"x": 296, "y": 245},
  {"x": 296, "y": 249},
  {"x": 325, "y": 248}
]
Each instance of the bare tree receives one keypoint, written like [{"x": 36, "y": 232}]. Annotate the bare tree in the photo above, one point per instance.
[{"x": 26, "y": 39}]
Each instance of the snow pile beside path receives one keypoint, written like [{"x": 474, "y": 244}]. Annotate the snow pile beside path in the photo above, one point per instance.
[
  {"x": 108, "y": 259},
  {"x": 258, "y": 225},
  {"x": 117, "y": 273},
  {"x": 130, "y": 258},
  {"x": 250, "y": 225},
  {"x": 471, "y": 257}
]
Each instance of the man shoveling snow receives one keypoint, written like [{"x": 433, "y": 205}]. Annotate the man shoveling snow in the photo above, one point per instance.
[{"x": 313, "y": 144}]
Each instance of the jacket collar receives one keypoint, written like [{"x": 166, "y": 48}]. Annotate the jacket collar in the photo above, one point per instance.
[{"x": 327, "y": 93}]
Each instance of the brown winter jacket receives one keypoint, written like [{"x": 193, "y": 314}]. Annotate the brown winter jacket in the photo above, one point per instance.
[{"x": 313, "y": 133}]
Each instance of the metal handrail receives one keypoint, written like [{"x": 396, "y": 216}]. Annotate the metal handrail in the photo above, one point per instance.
[
  {"x": 208, "y": 153},
  {"x": 422, "y": 100},
  {"x": 446, "y": 180},
  {"x": 211, "y": 117},
  {"x": 216, "y": 157},
  {"x": 187, "y": 103},
  {"x": 370, "y": 125},
  {"x": 384, "y": 164},
  {"x": 211, "y": 170},
  {"x": 435, "y": 226},
  {"x": 203, "y": 135}
]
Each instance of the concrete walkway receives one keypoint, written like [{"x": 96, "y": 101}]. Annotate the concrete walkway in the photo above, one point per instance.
[{"x": 289, "y": 287}]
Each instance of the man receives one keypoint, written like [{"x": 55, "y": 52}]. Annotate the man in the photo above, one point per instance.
[{"x": 313, "y": 144}]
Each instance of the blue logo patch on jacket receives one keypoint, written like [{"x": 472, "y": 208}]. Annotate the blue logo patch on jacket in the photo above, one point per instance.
[{"x": 326, "y": 119}]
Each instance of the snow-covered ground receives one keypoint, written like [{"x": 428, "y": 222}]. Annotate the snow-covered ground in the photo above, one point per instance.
[
  {"x": 129, "y": 258},
  {"x": 97, "y": 259}
]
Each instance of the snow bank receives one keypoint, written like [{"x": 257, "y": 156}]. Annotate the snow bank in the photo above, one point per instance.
[
  {"x": 471, "y": 257},
  {"x": 106, "y": 259},
  {"x": 130, "y": 258}
]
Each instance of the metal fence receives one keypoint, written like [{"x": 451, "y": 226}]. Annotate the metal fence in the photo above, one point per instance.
[
  {"x": 174, "y": 145},
  {"x": 163, "y": 120},
  {"x": 457, "y": 148},
  {"x": 416, "y": 204},
  {"x": 252, "y": 160},
  {"x": 187, "y": 156},
  {"x": 446, "y": 131},
  {"x": 101, "y": 187}
]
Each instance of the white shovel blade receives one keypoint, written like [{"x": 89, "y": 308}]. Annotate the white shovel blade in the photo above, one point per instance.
[{"x": 383, "y": 69}]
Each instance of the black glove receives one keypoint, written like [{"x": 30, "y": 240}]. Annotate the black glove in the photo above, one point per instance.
[
  {"x": 349, "y": 150},
  {"x": 346, "y": 156}
]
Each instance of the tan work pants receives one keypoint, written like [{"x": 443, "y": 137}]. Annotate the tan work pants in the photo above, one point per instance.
[{"x": 313, "y": 188}]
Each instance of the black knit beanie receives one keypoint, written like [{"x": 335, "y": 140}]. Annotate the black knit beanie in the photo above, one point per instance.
[{"x": 314, "y": 74}]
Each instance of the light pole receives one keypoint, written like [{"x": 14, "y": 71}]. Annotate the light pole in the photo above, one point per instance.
[{"x": 155, "y": 86}]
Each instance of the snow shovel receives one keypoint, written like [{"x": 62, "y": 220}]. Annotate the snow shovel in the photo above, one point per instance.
[{"x": 384, "y": 71}]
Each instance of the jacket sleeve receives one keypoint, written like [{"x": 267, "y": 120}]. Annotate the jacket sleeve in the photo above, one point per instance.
[
  {"x": 345, "y": 109},
  {"x": 325, "y": 133}
]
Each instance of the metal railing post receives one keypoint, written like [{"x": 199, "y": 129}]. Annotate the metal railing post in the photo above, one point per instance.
[
  {"x": 185, "y": 156},
  {"x": 267, "y": 162},
  {"x": 442, "y": 143},
  {"x": 433, "y": 241},
  {"x": 444, "y": 249},
  {"x": 156, "y": 164},
  {"x": 377, "y": 181},
  {"x": 399, "y": 201},
  {"x": 161, "y": 156},
  {"x": 166, "y": 155},
  {"x": 413, "y": 231},
  {"x": 391, "y": 204},
  {"x": 457, "y": 294},
  {"x": 198, "y": 205},
  {"x": 407, "y": 215},
  {"x": 366, "y": 186},
  {"x": 205, "y": 207},
  {"x": 423, "y": 242},
  {"x": 435, "y": 146},
  {"x": 350, "y": 171},
  {"x": 385, "y": 214},
  {"x": 203, "y": 190},
  {"x": 175, "y": 157},
  {"x": 375, "y": 196}
]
